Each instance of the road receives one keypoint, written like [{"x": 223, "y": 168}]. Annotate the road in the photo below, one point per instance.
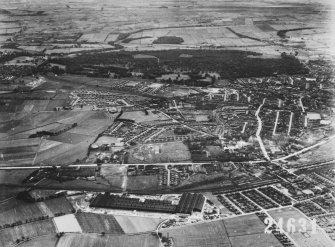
[
  {"x": 276, "y": 123},
  {"x": 94, "y": 165},
  {"x": 290, "y": 124},
  {"x": 260, "y": 124}
]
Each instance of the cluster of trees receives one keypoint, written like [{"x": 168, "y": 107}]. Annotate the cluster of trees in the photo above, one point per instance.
[
  {"x": 168, "y": 40},
  {"x": 5, "y": 57},
  {"x": 18, "y": 223}
]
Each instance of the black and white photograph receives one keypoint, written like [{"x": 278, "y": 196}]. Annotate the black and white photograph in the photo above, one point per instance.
[{"x": 167, "y": 123}]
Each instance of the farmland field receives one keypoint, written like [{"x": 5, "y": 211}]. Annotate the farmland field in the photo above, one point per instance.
[
  {"x": 89, "y": 240},
  {"x": 7, "y": 192},
  {"x": 70, "y": 138},
  {"x": 211, "y": 234},
  {"x": 20, "y": 213},
  {"x": 244, "y": 225},
  {"x": 135, "y": 224},
  {"x": 59, "y": 205},
  {"x": 235, "y": 232},
  {"x": 97, "y": 223},
  {"x": 310, "y": 239},
  {"x": 41, "y": 241},
  {"x": 258, "y": 239},
  {"x": 67, "y": 223},
  {"x": 13, "y": 177},
  {"x": 9, "y": 236}
]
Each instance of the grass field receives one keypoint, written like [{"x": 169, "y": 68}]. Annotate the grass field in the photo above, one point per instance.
[
  {"x": 97, "y": 223},
  {"x": 149, "y": 182},
  {"x": 89, "y": 240},
  {"x": 8, "y": 236},
  {"x": 135, "y": 224},
  {"x": 317, "y": 239}
]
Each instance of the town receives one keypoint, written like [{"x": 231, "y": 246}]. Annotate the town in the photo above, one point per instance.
[{"x": 123, "y": 123}]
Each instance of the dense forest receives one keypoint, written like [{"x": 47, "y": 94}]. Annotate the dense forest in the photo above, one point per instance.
[{"x": 228, "y": 63}]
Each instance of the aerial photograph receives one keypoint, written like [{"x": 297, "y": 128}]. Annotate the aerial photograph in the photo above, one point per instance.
[{"x": 171, "y": 123}]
